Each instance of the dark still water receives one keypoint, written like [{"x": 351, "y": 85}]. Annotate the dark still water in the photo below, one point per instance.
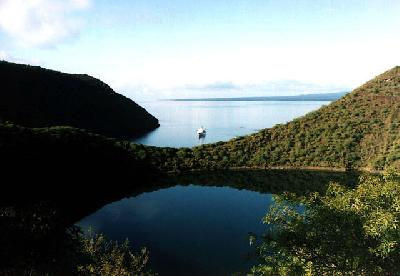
[
  {"x": 223, "y": 120},
  {"x": 189, "y": 230},
  {"x": 199, "y": 223}
]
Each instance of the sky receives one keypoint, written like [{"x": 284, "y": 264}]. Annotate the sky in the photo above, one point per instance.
[{"x": 157, "y": 49}]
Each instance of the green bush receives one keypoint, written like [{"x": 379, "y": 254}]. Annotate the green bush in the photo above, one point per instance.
[
  {"x": 342, "y": 232},
  {"x": 109, "y": 258}
]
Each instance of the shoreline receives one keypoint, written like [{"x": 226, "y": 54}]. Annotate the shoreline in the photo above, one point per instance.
[{"x": 303, "y": 168}]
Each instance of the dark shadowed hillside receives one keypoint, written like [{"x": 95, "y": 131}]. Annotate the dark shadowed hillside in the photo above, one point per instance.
[
  {"x": 35, "y": 97},
  {"x": 65, "y": 162}
]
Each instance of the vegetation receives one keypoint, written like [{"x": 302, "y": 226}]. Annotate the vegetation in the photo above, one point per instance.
[
  {"x": 33, "y": 242},
  {"x": 108, "y": 258},
  {"x": 57, "y": 160},
  {"x": 359, "y": 131},
  {"x": 33, "y": 236},
  {"x": 35, "y": 97},
  {"x": 341, "y": 232}
]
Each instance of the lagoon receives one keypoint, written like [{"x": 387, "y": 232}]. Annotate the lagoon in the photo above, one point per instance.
[
  {"x": 200, "y": 223},
  {"x": 189, "y": 230}
]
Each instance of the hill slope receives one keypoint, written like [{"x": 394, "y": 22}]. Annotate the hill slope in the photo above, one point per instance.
[
  {"x": 59, "y": 162},
  {"x": 360, "y": 130},
  {"x": 35, "y": 97}
]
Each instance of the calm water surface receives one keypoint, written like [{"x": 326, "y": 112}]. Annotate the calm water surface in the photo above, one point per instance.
[
  {"x": 196, "y": 230},
  {"x": 223, "y": 120},
  {"x": 189, "y": 230}
]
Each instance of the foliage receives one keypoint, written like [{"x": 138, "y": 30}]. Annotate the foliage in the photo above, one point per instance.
[
  {"x": 35, "y": 241},
  {"x": 68, "y": 156},
  {"x": 35, "y": 97},
  {"x": 343, "y": 232},
  {"x": 104, "y": 257},
  {"x": 360, "y": 130}
]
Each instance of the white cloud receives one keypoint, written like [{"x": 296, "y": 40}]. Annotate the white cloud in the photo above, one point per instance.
[
  {"x": 343, "y": 63},
  {"x": 3, "y": 55},
  {"x": 41, "y": 22},
  {"x": 80, "y": 4}
]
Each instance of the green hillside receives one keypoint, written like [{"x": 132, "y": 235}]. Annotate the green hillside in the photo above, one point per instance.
[
  {"x": 35, "y": 97},
  {"x": 360, "y": 130}
]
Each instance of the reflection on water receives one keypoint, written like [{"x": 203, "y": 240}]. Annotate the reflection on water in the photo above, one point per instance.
[
  {"x": 223, "y": 120},
  {"x": 202, "y": 139},
  {"x": 202, "y": 229},
  {"x": 197, "y": 223},
  {"x": 188, "y": 229}
]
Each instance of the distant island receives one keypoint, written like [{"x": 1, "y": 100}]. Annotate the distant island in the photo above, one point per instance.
[{"x": 302, "y": 97}]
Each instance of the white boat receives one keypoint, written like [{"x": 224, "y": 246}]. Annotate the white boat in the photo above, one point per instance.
[{"x": 201, "y": 132}]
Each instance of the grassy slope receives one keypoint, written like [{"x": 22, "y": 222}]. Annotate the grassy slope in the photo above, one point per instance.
[
  {"x": 360, "y": 130},
  {"x": 35, "y": 97}
]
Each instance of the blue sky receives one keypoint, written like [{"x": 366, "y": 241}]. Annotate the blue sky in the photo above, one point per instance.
[{"x": 159, "y": 49}]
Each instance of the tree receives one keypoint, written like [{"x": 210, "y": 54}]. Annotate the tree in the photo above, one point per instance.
[{"x": 343, "y": 232}]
